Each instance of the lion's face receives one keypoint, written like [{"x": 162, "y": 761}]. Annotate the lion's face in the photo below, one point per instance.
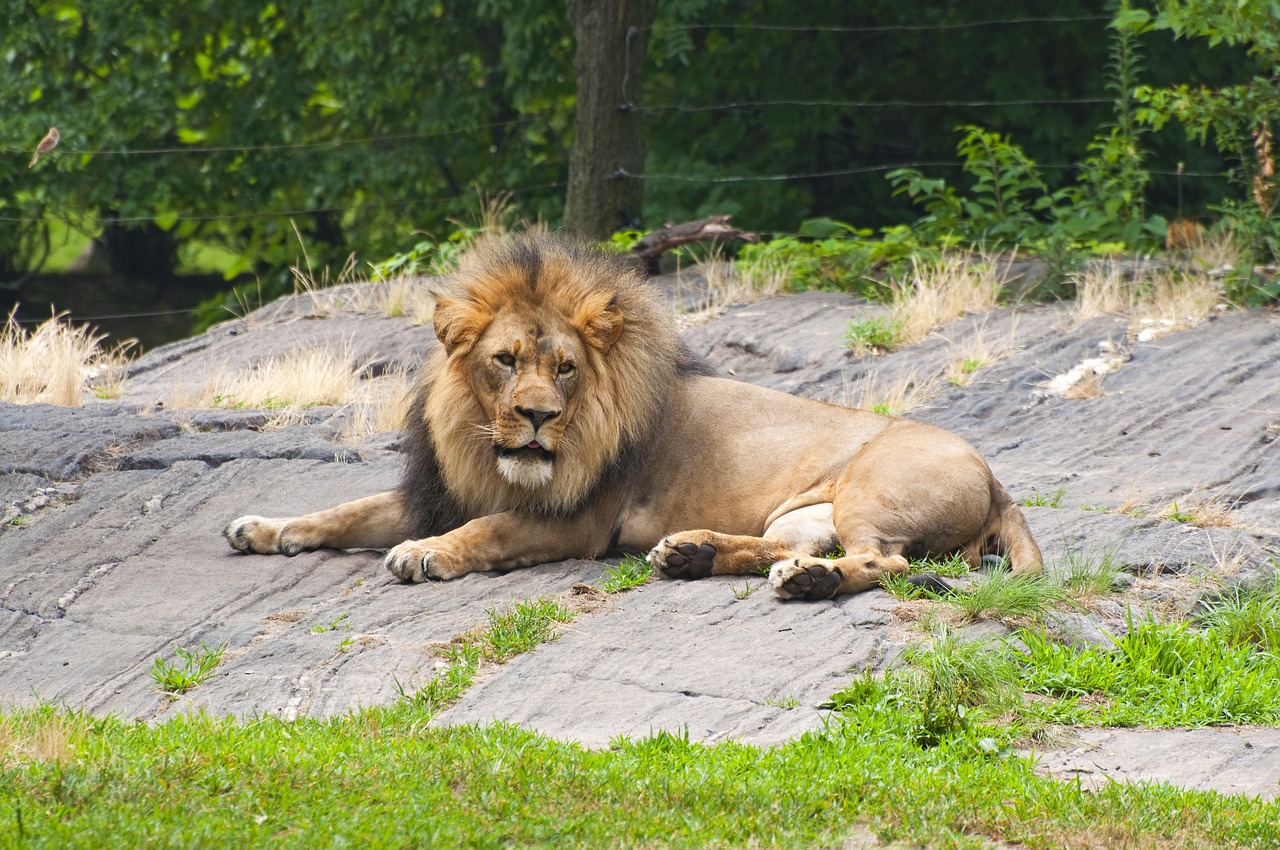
[
  {"x": 553, "y": 361},
  {"x": 527, "y": 374}
]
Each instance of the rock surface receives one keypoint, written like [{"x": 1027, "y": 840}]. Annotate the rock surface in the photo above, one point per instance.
[{"x": 111, "y": 551}]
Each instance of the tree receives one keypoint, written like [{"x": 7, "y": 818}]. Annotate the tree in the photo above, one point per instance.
[
  {"x": 608, "y": 65},
  {"x": 234, "y": 122}
]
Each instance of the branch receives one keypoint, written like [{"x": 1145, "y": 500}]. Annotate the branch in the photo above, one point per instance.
[{"x": 714, "y": 228}]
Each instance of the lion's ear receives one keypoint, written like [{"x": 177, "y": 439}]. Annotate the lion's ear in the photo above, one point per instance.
[
  {"x": 599, "y": 320},
  {"x": 458, "y": 323}
]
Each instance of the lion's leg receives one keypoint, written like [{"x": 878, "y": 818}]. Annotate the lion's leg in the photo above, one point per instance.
[
  {"x": 500, "y": 542},
  {"x": 696, "y": 554},
  {"x": 913, "y": 489},
  {"x": 376, "y": 522}
]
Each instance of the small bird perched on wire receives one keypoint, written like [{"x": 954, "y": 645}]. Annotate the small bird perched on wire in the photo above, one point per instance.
[{"x": 48, "y": 143}]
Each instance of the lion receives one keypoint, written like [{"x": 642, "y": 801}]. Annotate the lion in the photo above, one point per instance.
[{"x": 561, "y": 416}]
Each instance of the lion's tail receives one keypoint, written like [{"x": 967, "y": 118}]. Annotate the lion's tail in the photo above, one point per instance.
[{"x": 1014, "y": 539}]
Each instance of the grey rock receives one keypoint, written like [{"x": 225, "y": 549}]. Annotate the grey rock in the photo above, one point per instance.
[{"x": 118, "y": 555}]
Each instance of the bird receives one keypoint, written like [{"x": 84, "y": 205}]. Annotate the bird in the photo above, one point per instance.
[{"x": 48, "y": 143}]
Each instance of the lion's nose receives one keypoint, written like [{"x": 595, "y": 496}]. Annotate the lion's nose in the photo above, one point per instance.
[{"x": 537, "y": 417}]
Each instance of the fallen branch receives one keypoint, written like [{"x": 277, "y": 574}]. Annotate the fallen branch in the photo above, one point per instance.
[{"x": 653, "y": 245}]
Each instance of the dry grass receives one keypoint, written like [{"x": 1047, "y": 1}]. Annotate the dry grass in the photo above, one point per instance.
[
  {"x": 743, "y": 283},
  {"x": 935, "y": 293},
  {"x": 1200, "y": 510},
  {"x": 57, "y": 363},
  {"x": 890, "y": 399},
  {"x": 1218, "y": 249},
  {"x": 976, "y": 355},
  {"x": 1156, "y": 304},
  {"x": 302, "y": 378},
  {"x": 379, "y": 405},
  {"x": 292, "y": 383},
  {"x": 43, "y": 736},
  {"x": 399, "y": 297}
]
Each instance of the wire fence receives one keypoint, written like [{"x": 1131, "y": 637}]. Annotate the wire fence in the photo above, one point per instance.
[{"x": 376, "y": 141}]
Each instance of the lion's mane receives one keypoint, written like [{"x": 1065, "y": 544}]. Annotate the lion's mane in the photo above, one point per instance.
[{"x": 450, "y": 474}]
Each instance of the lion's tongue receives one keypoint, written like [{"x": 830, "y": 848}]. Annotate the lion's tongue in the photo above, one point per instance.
[{"x": 533, "y": 445}]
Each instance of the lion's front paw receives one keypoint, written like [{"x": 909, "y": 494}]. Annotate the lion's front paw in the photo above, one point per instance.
[
  {"x": 805, "y": 578},
  {"x": 262, "y": 536},
  {"x": 682, "y": 560},
  {"x": 254, "y": 535},
  {"x": 420, "y": 560}
]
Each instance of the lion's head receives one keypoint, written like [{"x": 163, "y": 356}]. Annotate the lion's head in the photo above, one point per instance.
[{"x": 554, "y": 359}]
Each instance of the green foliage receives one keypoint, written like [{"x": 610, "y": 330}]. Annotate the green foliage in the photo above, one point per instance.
[
  {"x": 227, "y": 121},
  {"x": 831, "y": 255},
  {"x": 1007, "y": 198},
  {"x": 1239, "y": 119},
  {"x": 1009, "y": 204},
  {"x": 427, "y": 256},
  {"x": 631, "y": 572},
  {"x": 874, "y": 334},
  {"x": 192, "y": 667}
]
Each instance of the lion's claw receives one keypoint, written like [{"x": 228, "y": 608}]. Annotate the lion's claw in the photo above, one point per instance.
[
  {"x": 408, "y": 563},
  {"x": 683, "y": 560},
  {"x": 816, "y": 580}
]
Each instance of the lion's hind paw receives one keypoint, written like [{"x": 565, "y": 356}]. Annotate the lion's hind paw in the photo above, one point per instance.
[{"x": 805, "y": 578}]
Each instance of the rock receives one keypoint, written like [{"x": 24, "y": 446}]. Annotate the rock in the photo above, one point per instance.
[{"x": 117, "y": 553}]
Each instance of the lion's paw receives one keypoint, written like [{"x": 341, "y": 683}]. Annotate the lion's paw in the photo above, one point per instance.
[
  {"x": 682, "y": 560},
  {"x": 254, "y": 535},
  {"x": 419, "y": 561},
  {"x": 805, "y": 578}
]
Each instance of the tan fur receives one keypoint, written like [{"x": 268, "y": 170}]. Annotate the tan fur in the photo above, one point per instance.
[{"x": 567, "y": 421}]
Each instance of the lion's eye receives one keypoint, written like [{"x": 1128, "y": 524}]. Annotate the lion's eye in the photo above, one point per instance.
[
  {"x": 565, "y": 369},
  {"x": 505, "y": 359}
]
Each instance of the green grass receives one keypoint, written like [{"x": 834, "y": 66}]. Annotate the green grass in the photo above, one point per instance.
[
  {"x": 192, "y": 667},
  {"x": 1040, "y": 500},
  {"x": 1158, "y": 675},
  {"x": 632, "y": 572},
  {"x": 1084, "y": 577},
  {"x": 923, "y": 756},
  {"x": 872, "y": 334},
  {"x": 1246, "y": 616},
  {"x": 1001, "y": 596},
  {"x": 332, "y": 625},
  {"x": 517, "y": 629}
]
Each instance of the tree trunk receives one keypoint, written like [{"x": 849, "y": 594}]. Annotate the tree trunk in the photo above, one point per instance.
[{"x": 608, "y": 134}]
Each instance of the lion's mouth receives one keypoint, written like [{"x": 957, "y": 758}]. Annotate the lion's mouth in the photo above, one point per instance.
[{"x": 533, "y": 449}]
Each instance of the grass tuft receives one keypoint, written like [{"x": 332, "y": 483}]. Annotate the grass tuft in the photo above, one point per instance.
[
  {"x": 1041, "y": 500},
  {"x": 632, "y": 572},
  {"x": 57, "y": 363},
  {"x": 1246, "y": 616},
  {"x": 193, "y": 666},
  {"x": 1084, "y": 578},
  {"x": 511, "y": 632},
  {"x": 1004, "y": 597}
]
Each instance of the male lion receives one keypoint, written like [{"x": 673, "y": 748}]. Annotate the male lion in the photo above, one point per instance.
[{"x": 562, "y": 417}]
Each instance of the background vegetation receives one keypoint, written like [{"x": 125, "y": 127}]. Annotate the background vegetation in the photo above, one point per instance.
[{"x": 218, "y": 137}]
